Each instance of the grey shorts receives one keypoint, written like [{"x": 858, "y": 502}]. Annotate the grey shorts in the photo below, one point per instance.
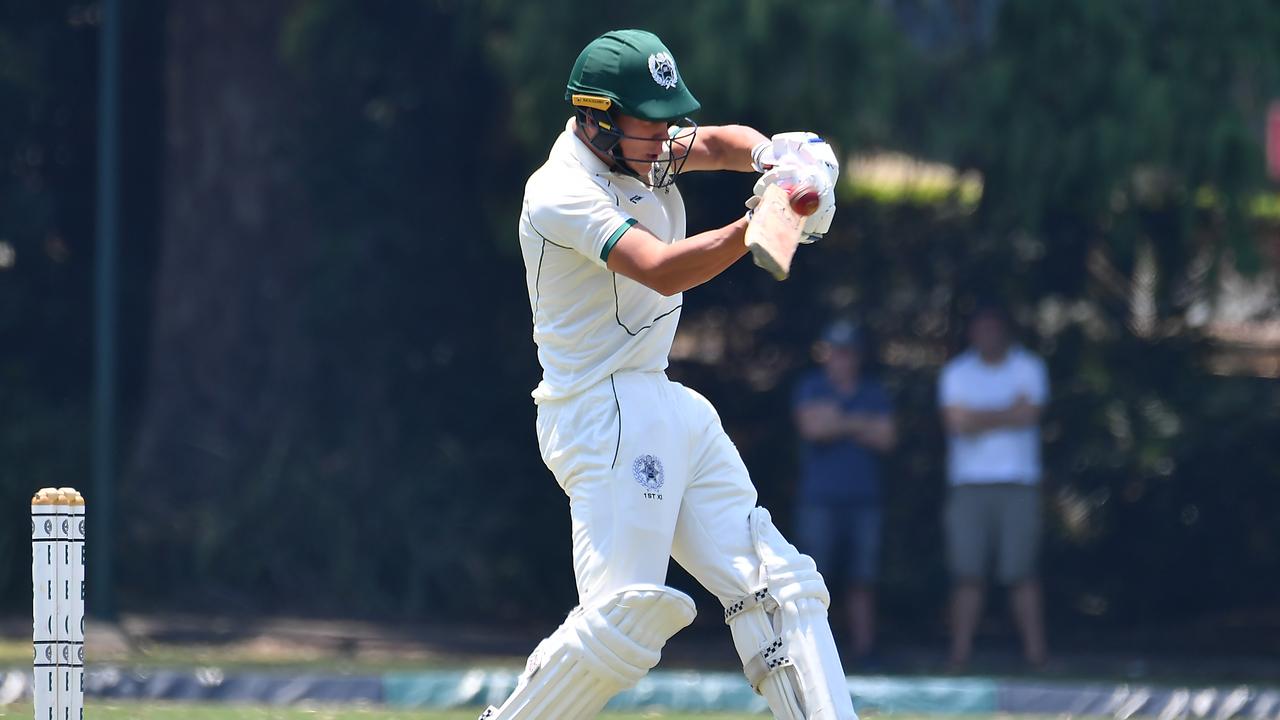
[{"x": 1000, "y": 519}]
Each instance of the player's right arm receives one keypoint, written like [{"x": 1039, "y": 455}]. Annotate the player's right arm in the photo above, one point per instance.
[
  {"x": 674, "y": 268},
  {"x": 589, "y": 219}
]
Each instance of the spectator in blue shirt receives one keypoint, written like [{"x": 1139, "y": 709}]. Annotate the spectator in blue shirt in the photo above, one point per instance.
[{"x": 845, "y": 422}]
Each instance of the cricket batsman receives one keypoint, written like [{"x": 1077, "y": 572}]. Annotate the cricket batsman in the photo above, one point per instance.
[{"x": 649, "y": 472}]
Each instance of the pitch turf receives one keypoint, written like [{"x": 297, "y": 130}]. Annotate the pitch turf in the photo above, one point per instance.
[
  {"x": 99, "y": 710},
  {"x": 103, "y": 710}
]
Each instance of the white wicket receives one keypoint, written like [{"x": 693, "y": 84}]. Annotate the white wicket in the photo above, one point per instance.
[{"x": 57, "y": 574}]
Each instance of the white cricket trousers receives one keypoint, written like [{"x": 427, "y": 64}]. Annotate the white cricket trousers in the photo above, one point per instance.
[{"x": 650, "y": 475}]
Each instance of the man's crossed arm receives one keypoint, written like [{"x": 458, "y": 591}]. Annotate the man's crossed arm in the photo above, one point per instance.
[
  {"x": 960, "y": 420},
  {"x": 820, "y": 422}
]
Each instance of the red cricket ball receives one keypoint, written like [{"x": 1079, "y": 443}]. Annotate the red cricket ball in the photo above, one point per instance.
[{"x": 805, "y": 200}]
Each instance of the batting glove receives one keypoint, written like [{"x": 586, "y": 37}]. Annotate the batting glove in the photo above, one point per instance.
[
  {"x": 805, "y": 146},
  {"x": 790, "y": 174}
]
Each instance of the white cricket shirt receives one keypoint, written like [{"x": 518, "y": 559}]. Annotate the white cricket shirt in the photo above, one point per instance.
[
  {"x": 1007, "y": 454},
  {"x": 589, "y": 322}
]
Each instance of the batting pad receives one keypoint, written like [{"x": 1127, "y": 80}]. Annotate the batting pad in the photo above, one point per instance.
[
  {"x": 782, "y": 635},
  {"x": 599, "y": 651}
]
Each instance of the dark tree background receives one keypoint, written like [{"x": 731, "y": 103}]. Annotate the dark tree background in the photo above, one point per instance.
[
  {"x": 326, "y": 352},
  {"x": 228, "y": 363}
]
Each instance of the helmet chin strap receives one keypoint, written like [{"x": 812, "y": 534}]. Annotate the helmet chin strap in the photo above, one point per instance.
[
  {"x": 607, "y": 142},
  {"x": 620, "y": 163}
]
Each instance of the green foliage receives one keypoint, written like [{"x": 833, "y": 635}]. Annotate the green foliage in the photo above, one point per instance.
[
  {"x": 414, "y": 486},
  {"x": 829, "y": 76},
  {"x": 1086, "y": 117}
]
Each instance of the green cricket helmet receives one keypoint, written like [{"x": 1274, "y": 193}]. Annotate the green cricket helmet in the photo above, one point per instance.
[{"x": 630, "y": 72}]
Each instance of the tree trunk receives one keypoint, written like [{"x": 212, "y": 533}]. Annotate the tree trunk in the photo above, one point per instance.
[{"x": 229, "y": 353}]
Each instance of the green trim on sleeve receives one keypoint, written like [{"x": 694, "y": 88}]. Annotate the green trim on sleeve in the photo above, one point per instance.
[{"x": 613, "y": 239}]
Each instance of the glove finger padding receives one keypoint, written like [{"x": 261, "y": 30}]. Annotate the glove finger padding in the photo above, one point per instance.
[
  {"x": 805, "y": 147},
  {"x": 787, "y": 176},
  {"x": 794, "y": 174},
  {"x": 751, "y": 204},
  {"x": 817, "y": 224},
  {"x": 769, "y": 153}
]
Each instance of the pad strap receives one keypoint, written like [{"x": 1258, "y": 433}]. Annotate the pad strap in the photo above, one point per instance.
[
  {"x": 770, "y": 659},
  {"x": 758, "y": 597},
  {"x": 780, "y": 631}
]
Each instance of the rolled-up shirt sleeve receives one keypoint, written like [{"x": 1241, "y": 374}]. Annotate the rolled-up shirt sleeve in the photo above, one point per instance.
[{"x": 587, "y": 220}]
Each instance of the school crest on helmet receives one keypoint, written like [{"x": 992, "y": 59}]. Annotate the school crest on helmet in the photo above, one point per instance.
[{"x": 663, "y": 69}]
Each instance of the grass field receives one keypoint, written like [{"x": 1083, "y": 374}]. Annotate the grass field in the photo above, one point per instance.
[
  {"x": 172, "y": 711},
  {"x": 16, "y": 652},
  {"x": 103, "y": 710},
  {"x": 165, "y": 711}
]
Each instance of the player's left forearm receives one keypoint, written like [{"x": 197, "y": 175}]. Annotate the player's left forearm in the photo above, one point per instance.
[
  {"x": 676, "y": 267},
  {"x": 697, "y": 259}
]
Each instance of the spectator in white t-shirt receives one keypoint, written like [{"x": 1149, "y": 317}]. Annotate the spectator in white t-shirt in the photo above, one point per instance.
[{"x": 991, "y": 397}]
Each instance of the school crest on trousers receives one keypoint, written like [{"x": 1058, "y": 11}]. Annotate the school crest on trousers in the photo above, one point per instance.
[{"x": 647, "y": 470}]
